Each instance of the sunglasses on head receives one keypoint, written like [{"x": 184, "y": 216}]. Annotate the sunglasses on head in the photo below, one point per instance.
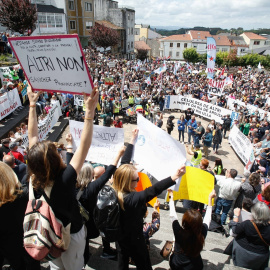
[{"x": 136, "y": 180}]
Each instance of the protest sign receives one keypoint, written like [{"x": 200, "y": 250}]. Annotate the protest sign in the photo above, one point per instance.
[
  {"x": 4, "y": 73},
  {"x": 53, "y": 63},
  {"x": 156, "y": 151},
  {"x": 124, "y": 103},
  {"x": 200, "y": 107},
  {"x": 78, "y": 100},
  {"x": 241, "y": 145},
  {"x": 111, "y": 64},
  {"x": 143, "y": 184},
  {"x": 106, "y": 142},
  {"x": 9, "y": 102},
  {"x": 45, "y": 125},
  {"x": 134, "y": 86},
  {"x": 215, "y": 87},
  {"x": 195, "y": 185}
]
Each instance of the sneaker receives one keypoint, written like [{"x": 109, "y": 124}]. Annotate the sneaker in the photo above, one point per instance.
[
  {"x": 166, "y": 206},
  {"x": 107, "y": 256}
]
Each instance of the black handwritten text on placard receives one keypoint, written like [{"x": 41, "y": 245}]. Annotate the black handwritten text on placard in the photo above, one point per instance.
[{"x": 44, "y": 63}]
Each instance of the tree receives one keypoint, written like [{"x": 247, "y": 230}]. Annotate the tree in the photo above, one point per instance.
[
  {"x": 142, "y": 54},
  {"x": 18, "y": 15},
  {"x": 190, "y": 55},
  {"x": 103, "y": 36}
]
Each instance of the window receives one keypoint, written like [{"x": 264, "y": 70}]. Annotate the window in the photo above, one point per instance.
[
  {"x": 89, "y": 25},
  {"x": 171, "y": 45},
  {"x": 42, "y": 20},
  {"x": 131, "y": 30},
  {"x": 217, "y": 49},
  {"x": 50, "y": 21},
  {"x": 128, "y": 16},
  {"x": 185, "y": 45},
  {"x": 178, "y": 45},
  {"x": 224, "y": 50},
  {"x": 58, "y": 21},
  {"x": 170, "y": 53},
  {"x": 242, "y": 50},
  {"x": 128, "y": 45},
  {"x": 128, "y": 31},
  {"x": 256, "y": 42},
  {"x": 72, "y": 25},
  {"x": 88, "y": 6},
  {"x": 131, "y": 46},
  {"x": 195, "y": 46},
  {"x": 177, "y": 54},
  {"x": 71, "y": 4}
]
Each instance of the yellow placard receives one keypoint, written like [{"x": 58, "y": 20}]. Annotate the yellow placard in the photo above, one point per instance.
[{"x": 195, "y": 185}]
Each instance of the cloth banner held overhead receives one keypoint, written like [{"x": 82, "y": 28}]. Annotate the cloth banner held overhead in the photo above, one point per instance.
[
  {"x": 195, "y": 185},
  {"x": 156, "y": 151},
  {"x": 53, "y": 63},
  {"x": 106, "y": 142},
  {"x": 241, "y": 145},
  {"x": 211, "y": 57},
  {"x": 9, "y": 102},
  {"x": 200, "y": 107},
  {"x": 46, "y": 124}
]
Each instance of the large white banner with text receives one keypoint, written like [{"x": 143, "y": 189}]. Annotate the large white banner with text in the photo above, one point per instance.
[
  {"x": 156, "y": 151},
  {"x": 106, "y": 142},
  {"x": 199, "y": 107},
  {"x": 241, "y": 144},
  {"x": 9, "y": 102}
]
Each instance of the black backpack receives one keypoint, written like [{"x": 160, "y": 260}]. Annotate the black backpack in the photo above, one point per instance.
[{"x": 107, "y": 214}]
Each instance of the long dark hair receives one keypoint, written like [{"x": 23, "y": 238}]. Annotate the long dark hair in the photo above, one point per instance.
[
  {"x": 44, "y": 164},
  {"x": 193, "y": 240}
]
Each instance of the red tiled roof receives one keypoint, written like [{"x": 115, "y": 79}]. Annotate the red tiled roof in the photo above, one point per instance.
[
  {"x": 109, "y": 25},
  {"x": 199, "y": 34},
  {"x": 141, "y": 45},
  {"x": 222, "y": 40},
  {"x": 185, "y": 37},
  {"x": 251, "y": 35}
]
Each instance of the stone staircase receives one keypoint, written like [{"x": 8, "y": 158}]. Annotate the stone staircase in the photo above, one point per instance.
[{"x": 212, "y": 254}]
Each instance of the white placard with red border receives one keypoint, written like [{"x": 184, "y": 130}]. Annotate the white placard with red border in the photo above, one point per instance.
[
  {"x": 9, "y": 102},
  {"x": 53, "y": 63}
]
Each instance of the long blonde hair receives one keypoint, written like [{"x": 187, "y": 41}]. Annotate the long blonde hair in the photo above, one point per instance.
[
  {"x": 85, "y": 176},
  {"x": 9, "y": 184},
  {"x": 122, "y": 181}
]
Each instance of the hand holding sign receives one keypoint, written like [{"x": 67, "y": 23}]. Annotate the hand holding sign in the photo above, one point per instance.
[
  {"x": 180, "y": 172},
  {"x": 91, "y": 103},
  {"x": 33, "y": 97}
]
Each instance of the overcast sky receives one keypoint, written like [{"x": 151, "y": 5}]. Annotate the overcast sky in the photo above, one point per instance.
[{"x": 228, "y": 14}]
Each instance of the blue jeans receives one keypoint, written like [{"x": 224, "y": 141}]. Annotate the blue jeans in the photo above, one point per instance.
[
  {"x": 189, "y": 136},
  {"x": 196, "y": 139},
  {"x": 215, "y": 146},
  {"x": 181, "y": 133},
  {"x": 225, "y": 206}
]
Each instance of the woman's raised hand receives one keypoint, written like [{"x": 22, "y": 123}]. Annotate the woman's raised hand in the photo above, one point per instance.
[
  {"x": 91, "y": 101},
  {"x": 180, "y": 172},
  {"x": 33, "y": 97}
]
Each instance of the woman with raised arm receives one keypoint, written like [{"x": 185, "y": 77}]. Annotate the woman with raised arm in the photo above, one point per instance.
[
  {"x": 190, "y": 237},
  {"x": 46, "y": 168},
  {"x": 133, "y": 207}
]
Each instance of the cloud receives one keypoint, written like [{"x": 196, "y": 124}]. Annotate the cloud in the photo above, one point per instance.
[{"x": 209, "y": 13}]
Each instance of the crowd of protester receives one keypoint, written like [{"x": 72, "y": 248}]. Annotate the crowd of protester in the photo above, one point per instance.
[{"x": 45, "y": 164}]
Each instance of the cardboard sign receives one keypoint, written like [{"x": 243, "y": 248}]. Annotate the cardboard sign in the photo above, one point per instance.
[
  {"x": 134, "y": 86},
  {"x": 111, "y": 64},
  {"x": 53, "y": 63}
]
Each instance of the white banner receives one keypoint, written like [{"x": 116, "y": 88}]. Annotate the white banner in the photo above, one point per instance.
[
  {"x": 251, "y": 109},
  {"x": 199, "y": 107},
  {"x": 46, "y": 124},
  {"x": 134, "y": 86},
  {"x": 211, "y": 57},
  {"x": 156, "y": 151},
  {"x": 53, "y": 63},
  {"x": 105, "y": 145},
  {"x": 241, "y": 144},
  {"x": 9, "y": 102}
]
